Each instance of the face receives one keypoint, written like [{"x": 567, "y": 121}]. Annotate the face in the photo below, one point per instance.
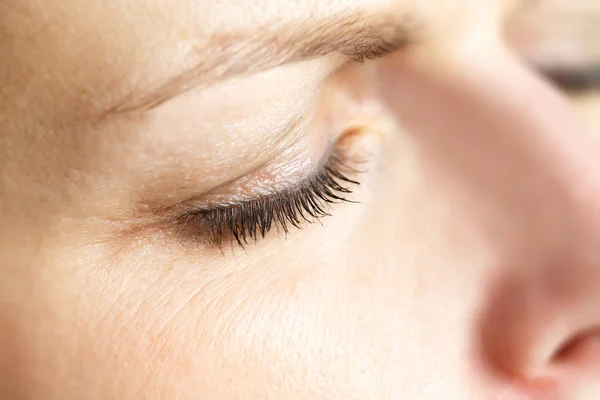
[{"x": 353, "y": 199}]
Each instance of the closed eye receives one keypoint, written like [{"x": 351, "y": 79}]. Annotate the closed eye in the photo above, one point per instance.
[
  {"x": 574, "y": 80},
  {"x": 251, "y": 220}
]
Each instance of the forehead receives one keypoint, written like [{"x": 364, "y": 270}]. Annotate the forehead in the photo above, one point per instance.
[
  {"x": 100, "y": 44},
  {"x": 182, "y": 24}
]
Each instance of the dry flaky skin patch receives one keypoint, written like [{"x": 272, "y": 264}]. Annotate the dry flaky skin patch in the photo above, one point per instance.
[{"x": 564, "y": 34}]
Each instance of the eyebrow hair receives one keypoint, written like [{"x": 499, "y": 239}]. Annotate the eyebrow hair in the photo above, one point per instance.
[{"x": 229, "y": 55}]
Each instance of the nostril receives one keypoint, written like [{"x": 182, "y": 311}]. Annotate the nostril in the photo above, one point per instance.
[
  {"x": 573, "y": 372},
  {"x": 581, "y": 352}
]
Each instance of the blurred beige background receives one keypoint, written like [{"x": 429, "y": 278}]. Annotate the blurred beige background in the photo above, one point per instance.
[{"x": 564, "y": 35}]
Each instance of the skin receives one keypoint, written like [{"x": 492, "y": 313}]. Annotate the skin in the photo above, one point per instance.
[{"x": 470, "y": 269}]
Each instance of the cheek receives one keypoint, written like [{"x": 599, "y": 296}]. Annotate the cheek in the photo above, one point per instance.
[{"x": 152, "y": 325}]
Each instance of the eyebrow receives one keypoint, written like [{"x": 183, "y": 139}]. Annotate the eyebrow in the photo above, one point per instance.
[{"x": 229, "y": 55}]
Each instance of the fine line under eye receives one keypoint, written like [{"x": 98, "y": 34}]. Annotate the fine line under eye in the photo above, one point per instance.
[{"x": 251, "y": 220}]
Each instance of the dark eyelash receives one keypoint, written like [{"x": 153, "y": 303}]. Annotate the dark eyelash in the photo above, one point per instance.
[{"x": 253, "y": 219}]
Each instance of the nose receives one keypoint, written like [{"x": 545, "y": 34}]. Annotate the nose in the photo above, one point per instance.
[{"x": 515, "y": 144}]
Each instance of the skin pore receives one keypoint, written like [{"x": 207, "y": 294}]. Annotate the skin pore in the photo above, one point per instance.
[{"x": 466, "y": 264}]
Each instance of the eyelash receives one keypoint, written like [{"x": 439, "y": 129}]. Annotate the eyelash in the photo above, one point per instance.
[{"x": 253, "y": 219}]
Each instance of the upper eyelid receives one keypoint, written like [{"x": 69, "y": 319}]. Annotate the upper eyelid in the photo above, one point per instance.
[
  {"x": 286, "y": 181},
  {"x": 277, "y": 130}
]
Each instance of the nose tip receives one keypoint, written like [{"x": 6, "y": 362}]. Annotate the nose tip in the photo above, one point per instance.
[
  {"x": 541, "y": 322},
  {"x": 536, "y": 316}
]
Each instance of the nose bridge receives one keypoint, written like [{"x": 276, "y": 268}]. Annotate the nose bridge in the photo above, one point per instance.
[
  {"x": 518, "y": 149},
  {"x": 501, "y": 130},
  {"x": 550, "y": 144}
]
